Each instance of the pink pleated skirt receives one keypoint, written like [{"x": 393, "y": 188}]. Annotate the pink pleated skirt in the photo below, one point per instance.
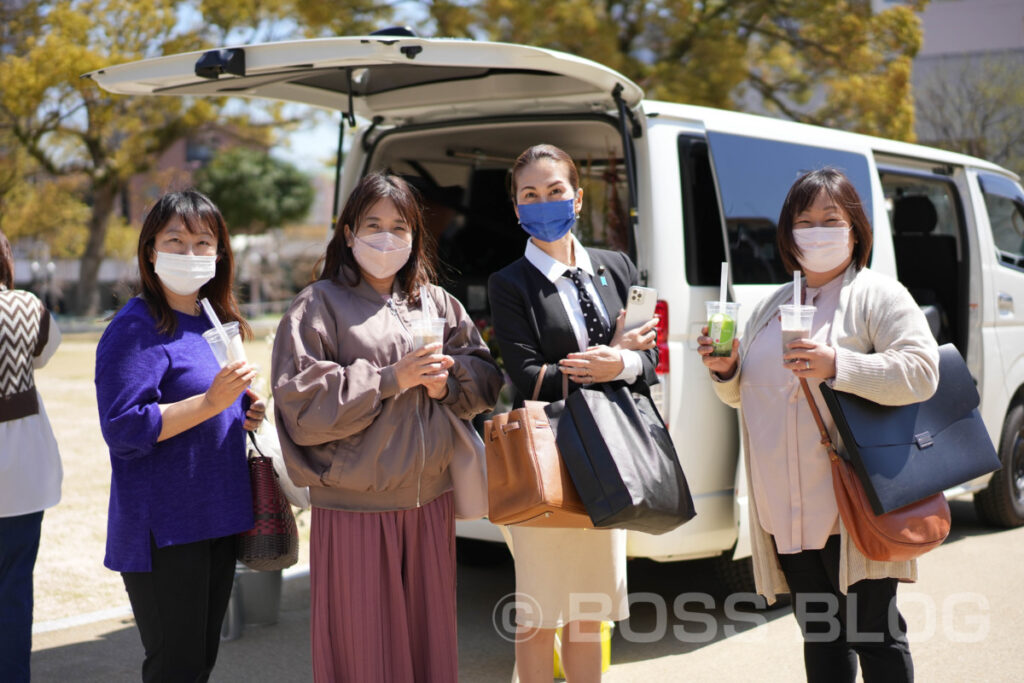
[{"x": 382, "y": 594}]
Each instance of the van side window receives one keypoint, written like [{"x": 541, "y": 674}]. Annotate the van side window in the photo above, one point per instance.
[
  {"x": 1004, "y": 202},
  {"x": 702, "y": 236},
  {"x": 927, "y": 230},
  {"x": 754, "y": 176}
]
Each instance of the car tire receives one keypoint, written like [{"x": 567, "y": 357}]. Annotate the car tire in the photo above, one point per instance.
[
  {"x": 1002, "y": 503},
  {"x": 737, "y": 576},
  {"x": 473, "y": 552}
]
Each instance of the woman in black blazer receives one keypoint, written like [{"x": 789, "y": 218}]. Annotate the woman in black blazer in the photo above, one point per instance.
[{"x": 561, "y": 305}]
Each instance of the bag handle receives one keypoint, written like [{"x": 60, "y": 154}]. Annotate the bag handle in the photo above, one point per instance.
[
  {"x": 540, "y": 380},
  {"x": 826, "y": 440}
]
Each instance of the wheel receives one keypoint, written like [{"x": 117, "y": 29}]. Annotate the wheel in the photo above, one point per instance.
[
  {"x": 734, "y": 576},
  {"x": 473, "y": 552},
  {"x": 737, "y": 576},
  {"x": 1002, "y": 503}
]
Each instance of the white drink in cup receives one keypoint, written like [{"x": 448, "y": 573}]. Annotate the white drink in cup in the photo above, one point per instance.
[
  {"x": 426, "y": 331},
  {"x": 796, "y": 323},
  {"x": 234, "y": 351}
]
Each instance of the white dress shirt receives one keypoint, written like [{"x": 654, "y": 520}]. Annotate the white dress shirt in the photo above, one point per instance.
[{"x": 554, "y": 270}]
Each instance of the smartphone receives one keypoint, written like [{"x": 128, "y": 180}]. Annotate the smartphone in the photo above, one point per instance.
[{"x": 640, "y": 303}]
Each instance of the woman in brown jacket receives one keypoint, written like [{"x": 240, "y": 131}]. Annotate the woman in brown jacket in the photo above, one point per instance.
[{"x": 365, "y": 421}]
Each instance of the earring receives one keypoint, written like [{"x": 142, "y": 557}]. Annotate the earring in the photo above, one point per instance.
[{"x": 575, "y": 216}]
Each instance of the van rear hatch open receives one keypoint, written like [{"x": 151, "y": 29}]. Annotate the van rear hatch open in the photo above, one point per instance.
[{"x": 402, "y": 80}]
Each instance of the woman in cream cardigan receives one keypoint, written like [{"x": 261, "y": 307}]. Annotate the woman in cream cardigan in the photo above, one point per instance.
[{"x": 868, "y": 338}]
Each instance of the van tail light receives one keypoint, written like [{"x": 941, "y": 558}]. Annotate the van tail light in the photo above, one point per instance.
[
  {"x": 659, "y": 392},
  {"x": 661, "y": 311}
]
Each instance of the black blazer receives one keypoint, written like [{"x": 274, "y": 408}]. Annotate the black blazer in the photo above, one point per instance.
[{"x": 532, "y": 326}]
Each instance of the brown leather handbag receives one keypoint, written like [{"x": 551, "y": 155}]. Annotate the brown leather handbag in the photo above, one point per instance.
[
  {"x": 903, "y": 534},
  {"x": 527, "y": 482}
]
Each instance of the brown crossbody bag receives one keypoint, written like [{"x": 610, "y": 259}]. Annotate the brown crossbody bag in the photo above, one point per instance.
[{"x": 903, "y": 534}]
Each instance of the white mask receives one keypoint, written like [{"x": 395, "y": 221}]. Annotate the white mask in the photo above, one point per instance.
[
  {"x": 183, "y": 273},
  {"x": 822, "y": 249}
]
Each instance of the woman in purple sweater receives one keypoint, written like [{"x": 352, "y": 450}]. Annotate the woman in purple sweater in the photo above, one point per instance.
[{"x": 175, "y": 424}]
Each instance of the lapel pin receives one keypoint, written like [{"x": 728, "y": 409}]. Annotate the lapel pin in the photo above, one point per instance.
[{"x": 600, "y": 274}]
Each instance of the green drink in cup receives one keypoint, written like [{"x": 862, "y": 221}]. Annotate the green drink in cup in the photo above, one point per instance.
[{"x": 722, "y": 325}]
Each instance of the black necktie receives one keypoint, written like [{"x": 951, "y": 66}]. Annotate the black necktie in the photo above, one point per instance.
[{"x": 597, "y": 331}]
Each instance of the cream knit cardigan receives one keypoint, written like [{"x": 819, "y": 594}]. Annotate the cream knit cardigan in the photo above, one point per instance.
[{"x": 885, "y": 352}]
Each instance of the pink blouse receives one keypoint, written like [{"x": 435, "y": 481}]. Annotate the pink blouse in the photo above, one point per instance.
[{"x": 790, "y": 473}]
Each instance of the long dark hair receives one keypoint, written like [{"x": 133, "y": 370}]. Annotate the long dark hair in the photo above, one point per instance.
[
  {"x": 196, "y": 211},
  {"x": 6, "y": 262},
  {"x": 840, "y": 190},
  {"x": 419, "y": 270}
]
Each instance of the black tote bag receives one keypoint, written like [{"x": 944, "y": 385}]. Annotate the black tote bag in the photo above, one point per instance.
[
  {"x": 621, "y": 459},
  {"x": 902, "y": 454}
]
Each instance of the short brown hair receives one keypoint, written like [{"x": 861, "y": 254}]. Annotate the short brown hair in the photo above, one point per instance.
[
  {"x": 6, "y": 262},
  {"x": 538, "y": 152},
  {"x": 419, "y": 269},
  {"x": 840, "y": 190},
  {"x": 195, "y": 210}
]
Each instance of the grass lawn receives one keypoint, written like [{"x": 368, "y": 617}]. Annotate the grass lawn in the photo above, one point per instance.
[{"x": 70, "y": 578}]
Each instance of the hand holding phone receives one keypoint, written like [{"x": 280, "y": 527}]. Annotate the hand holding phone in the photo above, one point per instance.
[{"x": 640, "y": 303}]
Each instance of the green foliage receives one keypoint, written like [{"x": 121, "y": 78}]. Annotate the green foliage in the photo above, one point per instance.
[
  {"x": 254, "y": 190},
  {"x": 68, "y": 128},
  {"x": 72, "y": 130},
  {"x": 68, "y": 149},
  {"x": 828, "y": 62}
]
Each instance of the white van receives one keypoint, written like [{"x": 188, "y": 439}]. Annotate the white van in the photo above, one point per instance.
[{"x": 680, "y": 188}]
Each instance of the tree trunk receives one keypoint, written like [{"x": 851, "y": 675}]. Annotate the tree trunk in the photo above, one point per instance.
[{"x": 88, "y": 286}]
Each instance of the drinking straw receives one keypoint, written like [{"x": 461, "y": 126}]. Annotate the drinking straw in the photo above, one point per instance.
[
  {"x": 423, "y": 300},
  {"x": 217, "y": 326},
  {"x": 796, "y": 287},
  {"x": 724, "y": 285}
]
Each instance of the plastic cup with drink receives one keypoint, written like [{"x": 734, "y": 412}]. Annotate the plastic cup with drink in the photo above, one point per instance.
[
  {"x": 722, "y": 317},
  {"x": 796, "y": 317},
  {"x": 231, "y": 351},
  {"x": 224, "y": 340},
  {"x": 722, "y": 325},
  {"x": 796, "y": 323},
  {"x": 426, "y": 331}
]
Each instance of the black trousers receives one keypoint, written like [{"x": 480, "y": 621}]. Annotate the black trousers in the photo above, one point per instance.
[
  {"x": 179, "y": 607},
  {"x": 19, "y": 545},
  {"x": 839, "y": 628}
]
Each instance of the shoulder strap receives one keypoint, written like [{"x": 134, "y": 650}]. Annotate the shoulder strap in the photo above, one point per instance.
[{"x": 826, "y": 440}]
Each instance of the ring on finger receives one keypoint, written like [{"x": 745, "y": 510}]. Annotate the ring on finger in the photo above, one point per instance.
[{"x": 807, "y": 364}]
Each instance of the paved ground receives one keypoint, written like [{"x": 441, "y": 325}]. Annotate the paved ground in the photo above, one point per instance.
[{"x": 966, "y": 615}]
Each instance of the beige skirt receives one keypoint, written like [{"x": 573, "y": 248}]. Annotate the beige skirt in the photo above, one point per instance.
[{"x": 565, "y": 575}]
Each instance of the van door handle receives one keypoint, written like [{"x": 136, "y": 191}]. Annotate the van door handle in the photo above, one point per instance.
[{"x": 1005, "y": 303}]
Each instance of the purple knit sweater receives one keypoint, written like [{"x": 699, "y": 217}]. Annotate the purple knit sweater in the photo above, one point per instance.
[{"x": 191, "y": 487}]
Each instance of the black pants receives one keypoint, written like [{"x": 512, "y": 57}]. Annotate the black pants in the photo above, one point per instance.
[
  {"x": 179, "y": 607},
  {"x": 19, "y": 544},
  {"x": 839, "y": 628}
]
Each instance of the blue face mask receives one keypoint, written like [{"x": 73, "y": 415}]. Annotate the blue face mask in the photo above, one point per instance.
[{"x": 547, "y": 221}]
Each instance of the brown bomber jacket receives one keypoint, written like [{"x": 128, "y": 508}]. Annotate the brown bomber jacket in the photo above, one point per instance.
[{"x": 345, "y": 429}]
